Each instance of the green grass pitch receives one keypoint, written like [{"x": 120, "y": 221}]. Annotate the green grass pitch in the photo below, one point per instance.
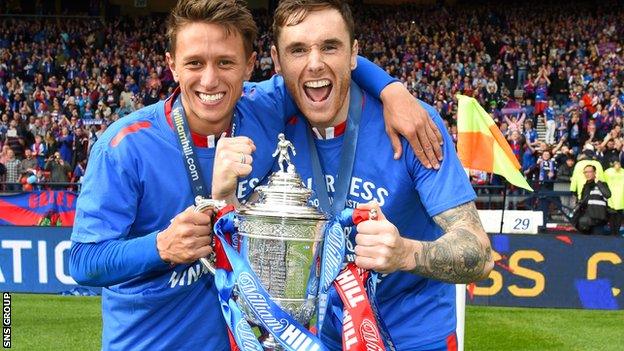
[{"x": 50, "y": 322}]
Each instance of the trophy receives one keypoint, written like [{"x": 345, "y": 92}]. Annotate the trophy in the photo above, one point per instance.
[{"x": 280, "y": 234}]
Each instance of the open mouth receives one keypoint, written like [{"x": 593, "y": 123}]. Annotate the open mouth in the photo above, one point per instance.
[
  {"x": 210, "y": 98},
  {"x": 318, "y": 90}
]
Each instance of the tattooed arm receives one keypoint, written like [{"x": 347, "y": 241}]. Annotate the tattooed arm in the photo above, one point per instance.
[{"x": 461, "y": 255}]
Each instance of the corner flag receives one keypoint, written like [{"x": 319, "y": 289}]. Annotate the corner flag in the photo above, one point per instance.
[{"x": 482, "y": 146}]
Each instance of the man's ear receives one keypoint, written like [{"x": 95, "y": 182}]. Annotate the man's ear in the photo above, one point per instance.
[
  {"x": 354, "y": 53},
  {"x": 249, "y": 66},
  {"x": 275, "y": 57},
  {"x": 171, "y": 63}
]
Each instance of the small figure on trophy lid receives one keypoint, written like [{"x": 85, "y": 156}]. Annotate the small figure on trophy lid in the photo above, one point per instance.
[{"x": 284, "y": 156}]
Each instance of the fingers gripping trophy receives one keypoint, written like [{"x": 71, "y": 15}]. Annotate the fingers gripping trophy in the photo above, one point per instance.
[{"x": 269, "y": 264}]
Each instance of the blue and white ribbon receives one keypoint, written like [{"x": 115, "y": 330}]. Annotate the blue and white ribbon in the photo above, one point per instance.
[{"x": 287, "y": 331}]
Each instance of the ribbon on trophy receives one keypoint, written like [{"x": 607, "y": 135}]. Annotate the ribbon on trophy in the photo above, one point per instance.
[
  {"x": 363, "y": 328},
  {"x": 286, "y": 330},
  {"x": 354, "y": 286}
]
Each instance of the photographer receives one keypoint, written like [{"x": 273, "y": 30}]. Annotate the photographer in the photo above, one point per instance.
[
  {"x": 590, "y": 215},
  {"x": 59, "y": 170}
]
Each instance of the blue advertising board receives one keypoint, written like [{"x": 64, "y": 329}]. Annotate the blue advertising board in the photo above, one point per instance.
[
  {"x": 565, "y": 271},
  {"x": 561, "y": 271},
  {"x": 36, "y": 259}
]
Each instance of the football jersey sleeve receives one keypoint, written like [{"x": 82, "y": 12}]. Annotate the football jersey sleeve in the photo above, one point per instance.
[
  {"x": 114, "y": 261},
  {"x": 447, "y": 187},
  {"x": 103, "y": 253},
  {"x": 108, "y": 199},
  {"x": 271, "y": 95},
  {"x": 370, "y": 77}
]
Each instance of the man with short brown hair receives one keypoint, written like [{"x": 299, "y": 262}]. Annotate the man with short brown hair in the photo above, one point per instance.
[{"x": 428, "y": 233}]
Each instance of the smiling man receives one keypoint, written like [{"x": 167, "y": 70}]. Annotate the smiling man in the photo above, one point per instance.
[
  {"x": 429, "y": 233},
  {"x": 136, "y": 234}
]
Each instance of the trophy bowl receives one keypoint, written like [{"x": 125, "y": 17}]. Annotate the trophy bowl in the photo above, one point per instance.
[{"x": 280, "y": 234}]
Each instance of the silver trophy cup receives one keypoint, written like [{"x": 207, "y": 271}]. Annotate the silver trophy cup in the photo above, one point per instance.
[{"x": 282, "y": 233}]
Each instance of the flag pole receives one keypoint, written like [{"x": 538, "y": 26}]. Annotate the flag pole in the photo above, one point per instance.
[{"x": 504, "y": 205}]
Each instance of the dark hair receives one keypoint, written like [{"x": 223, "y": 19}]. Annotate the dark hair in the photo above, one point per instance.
[
  {"x": 293, "y": 12},
  {"x": 232, "y": 14},
  {"x": 590, "y": 166}
]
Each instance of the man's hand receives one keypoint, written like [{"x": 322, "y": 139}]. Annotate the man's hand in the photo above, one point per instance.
[
  {"x": 187, "y": 238},
  {"x": 232, "y": 161},
  {"x": 403, "y": 115},
  {"x": 379, "y": 246}
]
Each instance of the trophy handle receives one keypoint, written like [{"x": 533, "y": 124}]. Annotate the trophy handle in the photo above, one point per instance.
[
  {"x": 207, "y": 262},
  {"x": 201, "y": 205}
]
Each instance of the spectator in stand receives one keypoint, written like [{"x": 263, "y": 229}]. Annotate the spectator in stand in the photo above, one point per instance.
[
  {"x": 564, "y": 171},
  {"x": 560, "y": 87},
  {"x": 615, "y": 108},
  {"x": 541, "y": 91},
  {"x": 590, "y": 100},
  {"x": 80, "y": 146},
  {"x": 549, "y": 119},
  {"x": 515, "y": 124},
  {"x": 79, "y": 171},
  {"x": 530, "y": 134},
  {"x": 529, "y": 110},
  {"x": 127, "y": 97},
  {"x": 574, "y": 132},
  {"x": 88, "y": 111},
  {"x": 104, "y": 110},
  {"x": 15, "y": 138},
  {"x": 504, "y": 128},
  {"x": 59, "y": 170},
  {"x": 50, "y": 143},
  {"x": 561, "y": 128},
  {"x": 516, "y": 143},
  {"x": 12, "y": 166},
  {"x": 28, "y": 164},
  {"x": 4, "y": 125},
  {"x": 4, "y": 155},
  {"x": 609, "y": 150},
  {"x": 547, "y": 170},
  {"x": 38, "y": 149},
  {"x": 124, "y": 109},
  {"x": 65, "y": 144}
]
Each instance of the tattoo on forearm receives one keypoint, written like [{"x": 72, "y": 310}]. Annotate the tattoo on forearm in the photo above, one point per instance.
[{"x": 458, "y": 256}]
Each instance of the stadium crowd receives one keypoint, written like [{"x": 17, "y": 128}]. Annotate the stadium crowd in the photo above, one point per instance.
[{"x": 548, "y": 66}]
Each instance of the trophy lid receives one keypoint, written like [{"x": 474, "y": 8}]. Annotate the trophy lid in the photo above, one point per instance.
[{"x": 284, "y": 195}]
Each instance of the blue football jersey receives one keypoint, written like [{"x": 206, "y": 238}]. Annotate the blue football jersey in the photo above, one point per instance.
[
  {"x": 418, "y": 311},
  {"x": 135, "y": 184}
]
